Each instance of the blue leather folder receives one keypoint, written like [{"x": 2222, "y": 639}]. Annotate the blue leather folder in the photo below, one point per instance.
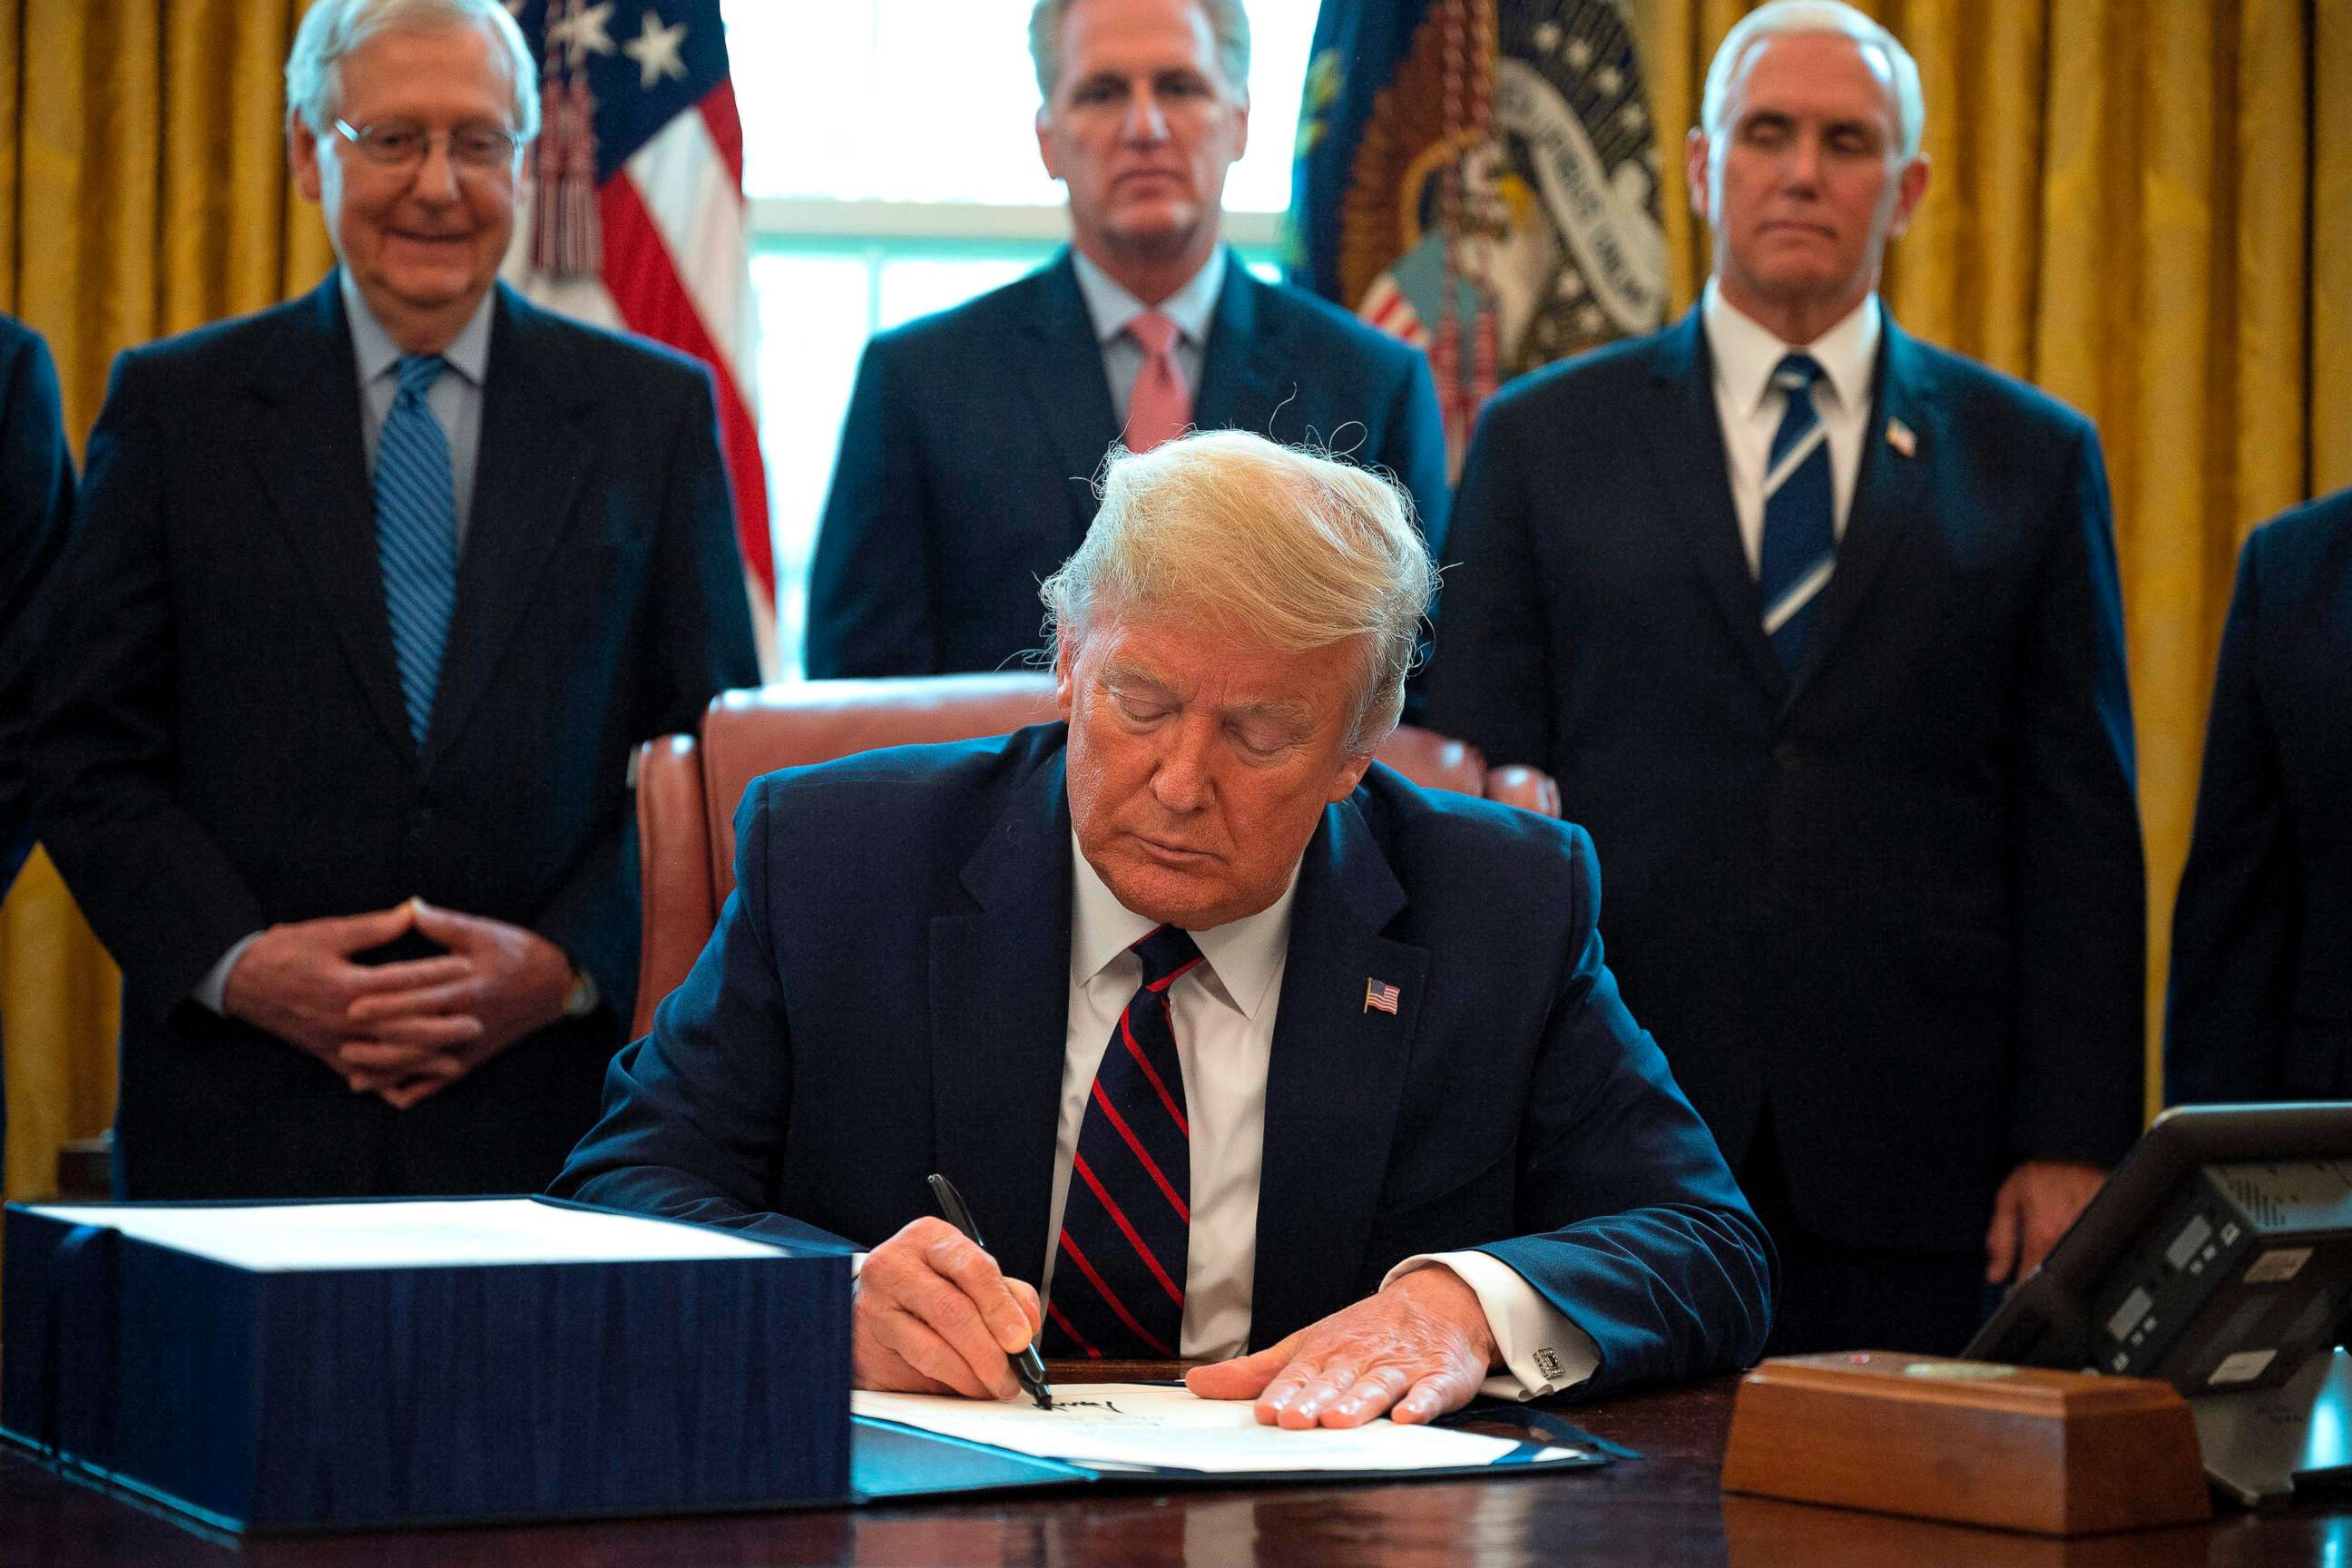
[{"x": 357, "y": 1397}]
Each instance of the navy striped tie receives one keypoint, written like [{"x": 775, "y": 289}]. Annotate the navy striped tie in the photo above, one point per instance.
[
  {"x": 1119, "y": 1276},
  {"x": 416, "y": 537},
  {"x": 1799, "y": 539}
]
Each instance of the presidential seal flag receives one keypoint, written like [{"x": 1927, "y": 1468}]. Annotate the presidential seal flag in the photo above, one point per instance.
[
  {"x": 636, "y": 216},
  {"x": 1480, "y": 177}
]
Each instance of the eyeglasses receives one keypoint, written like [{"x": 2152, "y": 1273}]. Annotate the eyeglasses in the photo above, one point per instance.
[{"x": 474, "y": 149}]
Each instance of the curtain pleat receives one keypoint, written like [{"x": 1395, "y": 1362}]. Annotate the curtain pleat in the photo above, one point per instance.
[
  {"x": 2144, "y": 208},
  {"x": 144, "y": 190}
]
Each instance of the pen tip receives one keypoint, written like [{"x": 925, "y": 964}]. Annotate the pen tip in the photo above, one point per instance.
[{"x": 1044, "y": 1400}]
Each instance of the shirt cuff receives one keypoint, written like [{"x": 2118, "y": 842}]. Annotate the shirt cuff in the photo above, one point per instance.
[
  {"x": 1542, "y": 1352},
  {"x": 210, "y": 990}
]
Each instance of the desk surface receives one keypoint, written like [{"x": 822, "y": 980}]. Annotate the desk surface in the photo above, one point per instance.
[{"x": 1664, "y": 1508}]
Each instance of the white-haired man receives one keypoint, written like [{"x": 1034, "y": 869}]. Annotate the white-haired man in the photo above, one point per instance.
[
  {"x": 374, "y": 594},
  {"x": 972, "y": 436},
  {"x": 1234, "y": 1040},
  {"x": 1819, "y": 627}
]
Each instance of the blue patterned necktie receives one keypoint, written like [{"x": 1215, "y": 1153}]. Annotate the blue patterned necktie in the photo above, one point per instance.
[
  {"x": 416, "y": 536},
  {"x": 1118, "y": 1275},
  {"x": 1799, "y": 540}
]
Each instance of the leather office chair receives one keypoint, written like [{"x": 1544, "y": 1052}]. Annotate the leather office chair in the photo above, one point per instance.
[{"x": 687, "y": 790}]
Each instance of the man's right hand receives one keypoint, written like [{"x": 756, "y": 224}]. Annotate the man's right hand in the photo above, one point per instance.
[
  {"x": 298, "y": 982},
  {"x": 933, "y": 1315}
]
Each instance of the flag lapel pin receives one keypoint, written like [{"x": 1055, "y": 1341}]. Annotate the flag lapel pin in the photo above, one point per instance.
[
  {"x": 1381, "y": 995},
  {"x": 1900, "y": 436}
]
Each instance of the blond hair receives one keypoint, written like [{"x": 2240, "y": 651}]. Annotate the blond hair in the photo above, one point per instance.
[{"x": 1290, "y": 548}]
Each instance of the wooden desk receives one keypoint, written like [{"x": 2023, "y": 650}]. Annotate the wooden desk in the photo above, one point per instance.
[{"x": 1662, "y": 1509}]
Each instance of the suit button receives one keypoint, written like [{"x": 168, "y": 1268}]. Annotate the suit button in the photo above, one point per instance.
[{"x": 1785, "y": 754}]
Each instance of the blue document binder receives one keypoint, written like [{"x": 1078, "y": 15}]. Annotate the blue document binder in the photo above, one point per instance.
[{"x": 350, "y": 1396}]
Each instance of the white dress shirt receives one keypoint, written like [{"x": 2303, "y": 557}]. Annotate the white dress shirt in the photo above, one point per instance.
[
  {"x": 1745, "y": 354},
  {"x": 1110, "y": 307},
  {"x": 1224, "y": 1014}
]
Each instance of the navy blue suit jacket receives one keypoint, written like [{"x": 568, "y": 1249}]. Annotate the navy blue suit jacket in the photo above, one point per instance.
[
  {"x": 968, "y": 459},
  {"x": 2261, "y": 999},
  {"x": 36, "y": 498},
  {"x": 1897, "y": 899},
  {"x": 886, "y": 996},
  {"x": 221, "y": 743}
]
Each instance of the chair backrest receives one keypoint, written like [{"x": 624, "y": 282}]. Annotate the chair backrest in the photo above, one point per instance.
[{"x": 688, "y": 791}]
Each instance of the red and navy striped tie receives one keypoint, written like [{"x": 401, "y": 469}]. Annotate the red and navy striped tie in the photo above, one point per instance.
[{"x": 1118, "y": 1277}]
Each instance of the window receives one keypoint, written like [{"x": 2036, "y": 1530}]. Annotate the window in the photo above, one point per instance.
[{"x": 892, "y": 167}]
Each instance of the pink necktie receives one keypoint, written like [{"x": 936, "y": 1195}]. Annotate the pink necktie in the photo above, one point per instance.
[{"x": 1160, "y": 407}]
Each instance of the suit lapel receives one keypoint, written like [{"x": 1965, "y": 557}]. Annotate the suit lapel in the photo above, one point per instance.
[
  {"x": 1335, "y": 1078},
  {"x": 1000, "y": 981},
  {"x": 1069, "y": 395},
  {"x": 1891, "y": 490},
  {"x": 1240, "y": 364},
  {"x": 531, "y": 461},
  {"x": 1687, "y": 436},
  {"x": 305, "y": 444}
]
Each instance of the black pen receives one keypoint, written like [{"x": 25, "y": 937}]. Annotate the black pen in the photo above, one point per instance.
[{"x": 1028, "y": 1366}]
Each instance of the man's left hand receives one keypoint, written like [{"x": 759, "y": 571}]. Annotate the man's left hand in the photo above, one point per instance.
[
  {"x": 1415, "y": 1351},
  {"x": 2031, "y": 1211},
  {"x": 514, "y": 986}
]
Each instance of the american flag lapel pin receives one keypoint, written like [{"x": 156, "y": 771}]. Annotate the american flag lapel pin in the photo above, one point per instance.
[
  {"x": 1900, "y": 436},
  {"x": 1381, "y": 995}
]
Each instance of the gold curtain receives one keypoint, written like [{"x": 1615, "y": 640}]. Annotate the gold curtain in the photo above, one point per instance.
[
  {"x": 2143, "y": 207},
  {"x": 142, "y": 191}
]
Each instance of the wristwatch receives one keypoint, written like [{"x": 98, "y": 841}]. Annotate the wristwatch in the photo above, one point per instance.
[{"x": 580, "y": 999}]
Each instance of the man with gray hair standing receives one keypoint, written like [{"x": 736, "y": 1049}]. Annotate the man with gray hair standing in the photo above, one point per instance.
[
  {"x": 375, "y": 593},
  {"x": 1819, "y": 628},
  {"x": 1236, "y": 1040},
  {"x": 964, "y": 475}
]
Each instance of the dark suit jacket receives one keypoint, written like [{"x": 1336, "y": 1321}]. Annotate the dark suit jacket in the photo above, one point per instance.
[
  {"x": 1897, "y": 899},
  {"x": 36, "y": 497},
  {"x": 2261, "y": 1000},
  {"x": 886, "y": 996},
  {"x": 968, "y": 460},
  {"x": 222, "y": 744}
]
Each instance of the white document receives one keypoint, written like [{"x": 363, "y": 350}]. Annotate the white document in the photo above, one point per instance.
[
  {"x": 1135, "y": 1426},
  {"x": 424, "y": 1234}
]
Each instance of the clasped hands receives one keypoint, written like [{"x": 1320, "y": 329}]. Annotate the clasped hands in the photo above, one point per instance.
[
  {"x": 408, "y": 1029},
  {"x": 933, "y": 1315}
]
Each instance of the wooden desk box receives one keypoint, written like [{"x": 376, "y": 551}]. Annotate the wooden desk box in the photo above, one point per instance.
[{"x": 2058, "y": 1453}]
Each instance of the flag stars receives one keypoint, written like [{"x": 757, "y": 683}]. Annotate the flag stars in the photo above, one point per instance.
[
  {"x": 655, "y": 48},
  {"x": 1609, "y": 78},
  {"x": 1579, "y": 54},
  {"x": 583, "y": 31}
]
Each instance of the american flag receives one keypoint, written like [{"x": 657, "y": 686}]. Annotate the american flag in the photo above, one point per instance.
[
  {"x": 636, "y": 218},
  {"x": 1380, "y": 994}
]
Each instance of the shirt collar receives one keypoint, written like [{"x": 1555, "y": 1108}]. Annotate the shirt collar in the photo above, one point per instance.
[
  {"x": 1244, "y": 955},
  {"x": 468, "y": 354},
  {"x": 1745, "y": 352},
  {"x": 1111, "y": 307}
]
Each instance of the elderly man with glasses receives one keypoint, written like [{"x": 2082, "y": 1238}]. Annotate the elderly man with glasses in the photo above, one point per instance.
[{"x": 376, "y": 592}]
